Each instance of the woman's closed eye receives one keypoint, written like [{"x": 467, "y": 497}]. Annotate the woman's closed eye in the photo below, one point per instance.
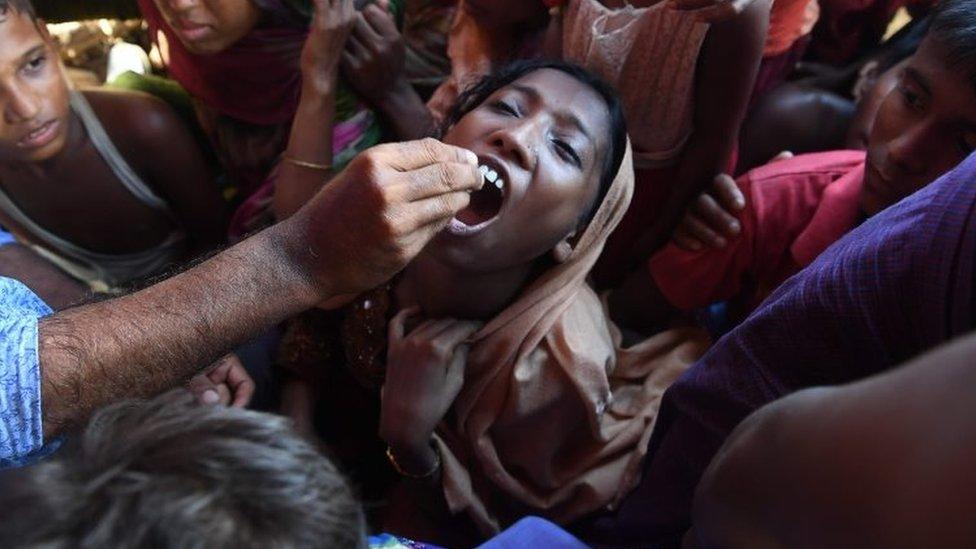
[
  {"x": 505, "y": 108},
  {"x": 567, "y": 152}
]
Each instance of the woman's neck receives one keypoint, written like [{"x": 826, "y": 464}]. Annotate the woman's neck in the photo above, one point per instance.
[{"x": 444, "y": 292}]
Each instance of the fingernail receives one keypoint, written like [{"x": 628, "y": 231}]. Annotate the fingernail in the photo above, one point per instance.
[
  {"x": 471, "y": 157},
  {"x": 210, "y": 397},
  {"x": 734, "y": 226},
  {"x": 720, "y": 242}
]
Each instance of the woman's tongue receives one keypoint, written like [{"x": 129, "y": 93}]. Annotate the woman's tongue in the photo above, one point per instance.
[{"x": 485, "y": 205}]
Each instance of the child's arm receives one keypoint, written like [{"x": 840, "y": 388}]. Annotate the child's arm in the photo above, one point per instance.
[
  {"x": 677, "y": 279},
  {"x": 51, "y": 284},
  {"x": 298, "y": 398},
  {"x": 424, "y": 374},
  {"x": 374, "y": 64},
  {"x": 726, "y": 74},
  {"x": 307, "y": 161}
]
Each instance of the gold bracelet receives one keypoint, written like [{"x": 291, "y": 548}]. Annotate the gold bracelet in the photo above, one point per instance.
[
  {"x": 304, "y": 164},
  {"x": 401, "y": 472}
]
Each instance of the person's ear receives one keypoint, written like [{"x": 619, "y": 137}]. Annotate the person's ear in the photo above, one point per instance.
[{"x": 564, "y": 249}]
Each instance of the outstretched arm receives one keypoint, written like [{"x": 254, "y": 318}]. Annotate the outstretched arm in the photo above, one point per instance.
[{"x": 398, "y": 197}]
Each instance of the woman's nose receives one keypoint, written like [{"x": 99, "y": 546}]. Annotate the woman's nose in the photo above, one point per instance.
[{"x": 518, "y": 143}]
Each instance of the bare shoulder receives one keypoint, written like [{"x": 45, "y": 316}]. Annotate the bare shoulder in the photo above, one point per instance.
[{"x": 132, "y": 115}]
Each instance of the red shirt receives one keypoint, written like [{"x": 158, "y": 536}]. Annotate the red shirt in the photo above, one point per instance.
[{"x": 795, "y": 209}]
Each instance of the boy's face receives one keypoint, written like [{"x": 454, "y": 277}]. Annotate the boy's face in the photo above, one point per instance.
[
  {"x": 924, "y": 128},
  {"x": 33, "y": 92}
]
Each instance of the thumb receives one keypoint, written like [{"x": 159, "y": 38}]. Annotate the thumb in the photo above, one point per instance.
[{"x": 204, "y": 390}]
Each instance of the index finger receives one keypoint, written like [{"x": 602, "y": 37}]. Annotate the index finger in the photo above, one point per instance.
[
  {"x": 458, "y": 332},
  {"x": 439, "y": 179},
  {"x": 413, "y": 155},
  {"x": 242, "y": 385},
  {"x": 364, "y": 28},
  {"x": 380, "y": 19},
  {"x": 729, "y": 194},
  {"x": 398, "y": 322}
]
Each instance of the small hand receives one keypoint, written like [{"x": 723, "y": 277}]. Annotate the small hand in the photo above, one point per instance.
[
  {"x": 711, "y": 219},
  {"x": 330, "y": 28},
  {"x": 424, "y": 374},
  {"x": 226, "y": 383},
  {"x": 375, "y": 55}
]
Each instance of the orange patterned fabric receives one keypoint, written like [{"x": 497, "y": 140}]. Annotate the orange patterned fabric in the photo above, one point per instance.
[{"x": 650, "y": 56}]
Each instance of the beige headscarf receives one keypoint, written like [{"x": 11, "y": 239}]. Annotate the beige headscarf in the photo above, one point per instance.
[{"x": 554, "y": 418}]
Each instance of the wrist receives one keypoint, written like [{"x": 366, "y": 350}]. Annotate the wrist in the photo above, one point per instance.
[
  {"x": 318, "y": 86},
  {"x": 290, "y": 241},
  {"x": 413, "y": 460},
  {"x": 398, "y": 94}
]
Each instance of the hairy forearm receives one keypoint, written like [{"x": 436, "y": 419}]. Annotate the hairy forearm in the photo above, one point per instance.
[
  {"x": 52, "y": 285},
  {"x": 406, "y": 113},
  {"x": 149, "y": 341},
  {"x": 310, "y": 141}
]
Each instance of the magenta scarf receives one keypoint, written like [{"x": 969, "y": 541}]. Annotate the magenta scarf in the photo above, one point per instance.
[{"x": 257, "y": 80}]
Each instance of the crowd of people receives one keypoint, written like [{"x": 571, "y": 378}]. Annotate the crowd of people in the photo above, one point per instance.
[{"x": 505, "y": 273}]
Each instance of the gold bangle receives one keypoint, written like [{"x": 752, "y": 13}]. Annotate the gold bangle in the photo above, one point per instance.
[
  {"x": 304, "y": 164},
  {"x": 401, "y": 472}
]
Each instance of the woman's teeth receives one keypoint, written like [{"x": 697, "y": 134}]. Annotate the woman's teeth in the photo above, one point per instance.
[{"x": 492, "y": 177}]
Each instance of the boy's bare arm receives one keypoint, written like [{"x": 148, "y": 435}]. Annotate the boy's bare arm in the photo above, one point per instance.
[
  {"x": 727, "y": 71},
  {"x": 52, "y": 285}
]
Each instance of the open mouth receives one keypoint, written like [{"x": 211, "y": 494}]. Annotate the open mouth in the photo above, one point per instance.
[
  {"x": 485, "y": 205},
  {"x": 40, "y": 136}
]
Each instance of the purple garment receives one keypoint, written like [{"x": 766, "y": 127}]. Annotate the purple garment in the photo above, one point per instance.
[{"x": 893, "y": 288}]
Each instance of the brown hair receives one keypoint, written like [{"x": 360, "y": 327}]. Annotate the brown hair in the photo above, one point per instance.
[{"x": 170, "y": 473}]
